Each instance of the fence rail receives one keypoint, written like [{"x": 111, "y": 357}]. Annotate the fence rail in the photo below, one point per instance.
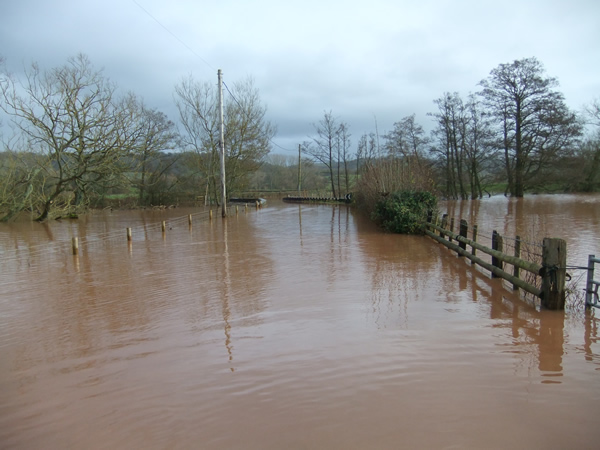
[{"x": 552, "y": 270}]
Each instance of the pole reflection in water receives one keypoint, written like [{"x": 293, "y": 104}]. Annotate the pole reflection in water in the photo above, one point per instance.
[
  {"x": 336, "y": 335},
  {"x": 225, "y": 297}
]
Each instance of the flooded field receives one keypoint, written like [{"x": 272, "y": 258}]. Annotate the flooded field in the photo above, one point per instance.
[{"x": 288, "y": 327}]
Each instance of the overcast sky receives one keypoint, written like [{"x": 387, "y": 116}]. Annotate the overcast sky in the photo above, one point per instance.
[{"x": 367, "y": 62}]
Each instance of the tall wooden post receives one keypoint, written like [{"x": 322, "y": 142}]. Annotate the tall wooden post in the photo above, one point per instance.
[
  {"x": 222, "y": 145},
  {"x": 299, "y": 170},
  {"x": 473, "y": 249},
  {"x": 554, "y": 263}
]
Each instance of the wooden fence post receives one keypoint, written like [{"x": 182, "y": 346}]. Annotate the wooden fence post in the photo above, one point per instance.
[
  {"x": 554, "y": 263},
  {"x": 473, "y": 249},
  {"x": 128, "y": 234},
  {"x": 464, "y": 227},
  {"x": 190, "y": 220},
  {"x": 451, "y": 228},
  {"x": 496, "y": 245},
  {"x": 444, "y": 223},
  {"x": 517, "y": 255},
  {"x": 75, "y": 245}
]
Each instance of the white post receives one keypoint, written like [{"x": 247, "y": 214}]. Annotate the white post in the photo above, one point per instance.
[{"x": 222, "y": 145}]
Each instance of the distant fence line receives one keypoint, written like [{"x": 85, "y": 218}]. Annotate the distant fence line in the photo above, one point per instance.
[
  {"x": 551, "y": 271},
  {"x": 129, "y": 231},
  {"x": 76, "y": 243}
]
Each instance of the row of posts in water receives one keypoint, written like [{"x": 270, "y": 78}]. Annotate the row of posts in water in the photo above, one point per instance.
[{"x": 75, "y": 240}]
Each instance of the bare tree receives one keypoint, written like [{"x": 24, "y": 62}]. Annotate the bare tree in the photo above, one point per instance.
[
  {"x": 534, "y": 123},
  {"x": 330, "y": 147},
  {"x": 157, "y": 135},
  {"x": 197, "y": 104},
  {"x": 367, "y": 152},
  {"x": 70, "y": 115},
  {"x": 247, "y": 132},
  {"x": 450, "y": 149},
  {"x": 344, "y": 149}
]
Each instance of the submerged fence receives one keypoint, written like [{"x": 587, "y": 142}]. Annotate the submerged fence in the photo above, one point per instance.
[
  {"x": 545, "y": 280},
  {"x": 206, "y": 215}
]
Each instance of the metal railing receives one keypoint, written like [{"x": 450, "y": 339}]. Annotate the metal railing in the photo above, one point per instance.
[{"x": 591, "y": 289}]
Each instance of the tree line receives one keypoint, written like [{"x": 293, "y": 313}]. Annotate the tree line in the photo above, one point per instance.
[
  {"x": 75, "y": 142},
  {"x": 515, "y": 135}
]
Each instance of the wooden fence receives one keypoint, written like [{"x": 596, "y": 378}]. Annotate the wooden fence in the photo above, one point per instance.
[{"x": 552, "y": 269}]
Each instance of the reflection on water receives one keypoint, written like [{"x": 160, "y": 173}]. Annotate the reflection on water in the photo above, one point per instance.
[{"x": 294, "y": 326}]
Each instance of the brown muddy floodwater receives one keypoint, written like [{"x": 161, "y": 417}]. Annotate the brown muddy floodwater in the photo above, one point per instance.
[{"x": 290, "y": 327}]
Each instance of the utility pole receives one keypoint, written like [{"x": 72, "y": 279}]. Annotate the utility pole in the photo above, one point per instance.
[
  {"x": 299, "y": 171},
  {"x": 222, "y": 145}
]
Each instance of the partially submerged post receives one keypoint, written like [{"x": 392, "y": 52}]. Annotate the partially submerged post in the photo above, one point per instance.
[
  {"x": 444, "y": 223},
  {"x": 497, "y": 244},
  {"x": 464, "y": 227},
  {"x": 554, "y": 270},
  {"x": 75, "y": 245},
  {"x": 516, "y": 271}
]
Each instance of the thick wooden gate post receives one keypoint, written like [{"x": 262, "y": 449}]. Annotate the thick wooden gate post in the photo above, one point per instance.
[{"x": 554, "y": 263}]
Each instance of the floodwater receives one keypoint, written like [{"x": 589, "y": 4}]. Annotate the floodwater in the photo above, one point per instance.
[{"x": 289, "y": 327}]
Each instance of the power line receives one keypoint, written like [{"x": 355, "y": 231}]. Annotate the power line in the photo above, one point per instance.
[
  {"x": 173, "y": 34},
  {"x": 238, "y": 103},
  {"x": 201, "y": 59},
  {"x": 233, "y": 96}
]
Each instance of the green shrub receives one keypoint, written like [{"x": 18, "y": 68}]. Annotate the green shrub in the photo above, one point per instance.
[{"x": 404, "y": 212}]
